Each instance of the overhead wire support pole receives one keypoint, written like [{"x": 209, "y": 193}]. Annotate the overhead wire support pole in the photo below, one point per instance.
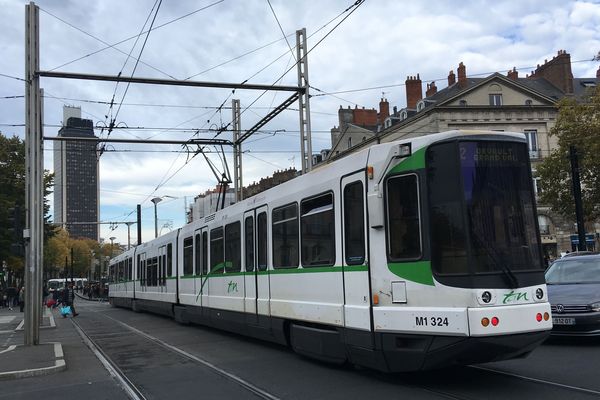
[
  {"x": 237, "y": 150},
  {"x": 169, "y": 82},
  {"x": 33, "y": 233},
  {"x": 277, "y": 110},
  {"x": 304, "y": 101}
]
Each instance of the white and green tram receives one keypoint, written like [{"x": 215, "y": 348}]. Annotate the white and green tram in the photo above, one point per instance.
[{"x": 410, "y": 255}]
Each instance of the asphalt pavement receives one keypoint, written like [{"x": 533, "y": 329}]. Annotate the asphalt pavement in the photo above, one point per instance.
[{"x": 60, "y": 365}]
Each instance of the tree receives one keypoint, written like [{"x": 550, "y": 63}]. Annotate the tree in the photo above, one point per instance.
[
  {"x": 12, "y": 182},
  {"x": 577, "y": 124}
]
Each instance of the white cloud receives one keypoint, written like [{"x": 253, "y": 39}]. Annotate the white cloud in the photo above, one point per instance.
[{"x": 382, "y": 43}]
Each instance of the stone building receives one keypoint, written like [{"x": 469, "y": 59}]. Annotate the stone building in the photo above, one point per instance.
[{"x": 497, "y": 102}]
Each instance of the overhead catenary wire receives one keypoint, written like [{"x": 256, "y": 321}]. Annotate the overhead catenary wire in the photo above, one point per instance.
[{"x": 113, "y": 46}]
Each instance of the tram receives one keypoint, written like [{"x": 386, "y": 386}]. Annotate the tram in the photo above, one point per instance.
[{"x": 410, "y": 255}]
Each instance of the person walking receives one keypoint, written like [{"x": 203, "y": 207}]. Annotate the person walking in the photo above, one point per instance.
[
  {"x": 69, "y": 298},
  {"x": 11, "y": 294},
  {"x": 22, "y": 299}
]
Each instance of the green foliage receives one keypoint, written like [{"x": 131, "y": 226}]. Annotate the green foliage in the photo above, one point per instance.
[
  {"x": 577, "y": 124},
  {"x": 12, "y": 182}
]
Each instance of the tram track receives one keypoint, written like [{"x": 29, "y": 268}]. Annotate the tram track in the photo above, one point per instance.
[{"x": 128, "y": 383}]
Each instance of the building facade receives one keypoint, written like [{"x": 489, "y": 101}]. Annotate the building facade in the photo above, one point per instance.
[
  {"x": 497, "y": 102},
  {"x": 76, "y": 205}
]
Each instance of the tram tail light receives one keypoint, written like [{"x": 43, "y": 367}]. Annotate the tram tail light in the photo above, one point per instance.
[
  {"x": 546, "y": 316},
  {"x": 485, "y": 321},
  {"x": 375, "y": 299},
  {"x": 538, "y": 317},
  {"x": 495, "y": 321}
]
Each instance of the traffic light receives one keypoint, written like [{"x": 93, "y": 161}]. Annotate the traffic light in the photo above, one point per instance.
[{"x": 16, "y": 225}]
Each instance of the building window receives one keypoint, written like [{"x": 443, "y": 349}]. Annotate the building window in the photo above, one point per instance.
[
  {"x": 544, "y": 223},
  {"x": 528, "y": 102},
  {"x": 462, "y": 103},
  {"x": 285, "y": 237},
  {"x": 495, "y": 100},
  {"x": 532, "y": 142},
  {"x": 317, "y": 228},
  {"x": 420, "y": 105},
  {"x": 349, "y": 142}
]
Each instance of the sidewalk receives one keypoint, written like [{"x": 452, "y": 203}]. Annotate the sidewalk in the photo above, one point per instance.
[{"x": 61, "y": 365}]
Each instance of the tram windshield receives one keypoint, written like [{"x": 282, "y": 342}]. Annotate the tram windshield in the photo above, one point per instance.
[{"x": 482, "y": 209}]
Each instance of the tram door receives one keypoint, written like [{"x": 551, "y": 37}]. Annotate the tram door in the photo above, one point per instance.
[
  {"x": 255, "y": 257},
  {"x": 354, "y": 245}
]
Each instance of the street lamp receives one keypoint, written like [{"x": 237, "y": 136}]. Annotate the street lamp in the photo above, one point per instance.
[
  {"x": 156, "y": 200},
  {"x": 112, "y": 238}
]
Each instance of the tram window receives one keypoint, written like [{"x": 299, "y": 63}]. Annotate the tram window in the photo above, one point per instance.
[
  {"x": 354, "y": 223},
  {"x": 233, "y": 247},
  {"x": 204, "y": 253},
  {"x": 130, "y": 269},
  {"x": 261, "y": 236},
  {"x": 285, "y": 237},
  {"x": 197, "y": 253},
  {"x": 154, "y": 271},
  {"x": 169, "y": 259},
  {"x": 164, "y": 270},
  {"x": 317, "y": 227},
  {"x": 139, "y": 268},
  {"x": 216, "y": 250},
  {"x": 160, "y": 270},
  {"x": 249, "y": 243},
  {"x": 403, "y": 227},
  {"x": 188, "y": 256}
]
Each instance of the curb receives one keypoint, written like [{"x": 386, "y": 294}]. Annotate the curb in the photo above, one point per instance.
[
  {"x": 48, "y": 314},
  {"x": 59, "y": 365}
]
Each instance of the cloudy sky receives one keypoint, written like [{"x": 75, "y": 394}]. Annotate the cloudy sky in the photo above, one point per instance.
[{"x": 379, "y": 44}]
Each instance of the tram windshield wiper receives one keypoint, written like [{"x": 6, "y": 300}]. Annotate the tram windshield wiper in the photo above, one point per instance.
[{"x": 510, "y": 276}]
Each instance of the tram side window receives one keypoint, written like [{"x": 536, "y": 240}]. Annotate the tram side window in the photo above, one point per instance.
[
  {"x": 139, "y": 268},
  {"x": 204, "y": 253},
  {"x": 160, "y": 270},
  {"x": 249, "y": 243},
  {"x": 317, "y": 228},
  {"x": 188, "y": 256},
  {"x": 216, "y": 250},
  {"x": 354, "y": 223},
  {"x": 285, "y": 237},
  {"x": 403, "y": 227},
  {"x": 197, "y": 253},
  {"x": 261, "y": 236},
  {"x": 233, "y": 247},
  {"x": 169, "y": 259},
  {"x": 129, "y": 268}
]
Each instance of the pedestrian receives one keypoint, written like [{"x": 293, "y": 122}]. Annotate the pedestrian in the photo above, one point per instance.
[
  {"x": 11, "y": 294},
  {"x": 22, "y": 299},
  {"x": 69, "y": 298}
]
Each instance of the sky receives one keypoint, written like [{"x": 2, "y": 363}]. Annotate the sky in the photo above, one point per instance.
[{"x": 357, "y": 55}]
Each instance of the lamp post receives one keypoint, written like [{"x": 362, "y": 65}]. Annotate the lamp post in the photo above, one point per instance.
[
  {"x": 156, "y": 200},
  {"x": 112, "y": 238}
]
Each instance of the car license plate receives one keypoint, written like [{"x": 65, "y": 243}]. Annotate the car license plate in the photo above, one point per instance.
[{"x": 563, "y": 321}]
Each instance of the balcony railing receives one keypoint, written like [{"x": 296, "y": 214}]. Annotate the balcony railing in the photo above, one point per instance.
[{"x": 534, "y": 154}]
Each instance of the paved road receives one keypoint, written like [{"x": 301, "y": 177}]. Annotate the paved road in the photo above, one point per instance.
[{"x": 162, "y": 358}]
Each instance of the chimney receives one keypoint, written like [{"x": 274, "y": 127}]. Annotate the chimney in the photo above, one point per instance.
[
  {"x": 462, "y": 75},
  {"x": 414, "y": 91},
  {"x": 451, "y": 78},
  {"x": 431, "y": 89},
  {"x": 384, "y": 110},
  {"x": 557, "y": 71},
  {"x": 514, "y": 74}
]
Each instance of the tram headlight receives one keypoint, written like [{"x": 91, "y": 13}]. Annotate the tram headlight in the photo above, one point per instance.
[
  {"x": 486, "y": 297},
  {"x": 595, "y": 306},
  {"x": 539, "y": 293}
]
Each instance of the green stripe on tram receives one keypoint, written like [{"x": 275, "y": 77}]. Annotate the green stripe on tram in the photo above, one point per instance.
[
  {"x": 418, "y": 271},
  {"x": 415, "y": 161}
]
